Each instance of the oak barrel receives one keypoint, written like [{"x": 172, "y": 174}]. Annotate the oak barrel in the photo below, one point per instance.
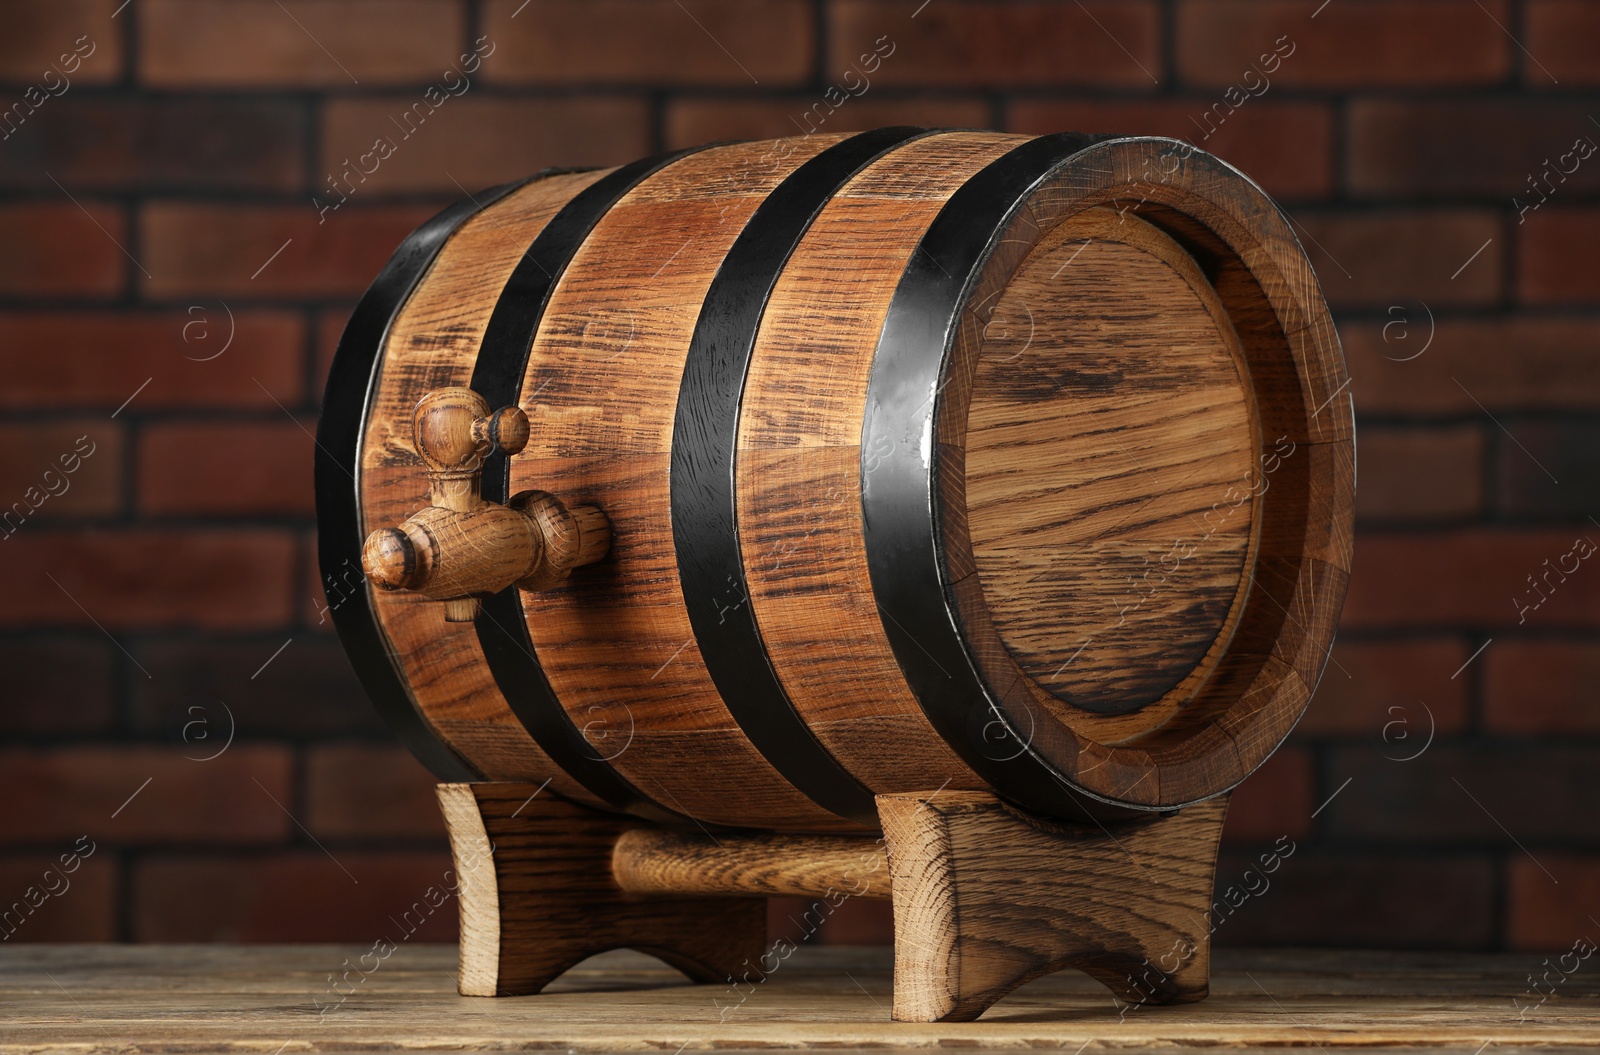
[{"x": 930, "y": 459}]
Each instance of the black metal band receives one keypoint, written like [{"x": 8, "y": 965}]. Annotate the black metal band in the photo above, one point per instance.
[
  {"x": 351, "y": 382},
  {"x": 899, "y": 489},
  {"x": 497, "y": 376},
  {"x": 705, "y": 527}
]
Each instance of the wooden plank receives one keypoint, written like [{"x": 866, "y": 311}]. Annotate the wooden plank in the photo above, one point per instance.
[{"x": 264, "y": 999}]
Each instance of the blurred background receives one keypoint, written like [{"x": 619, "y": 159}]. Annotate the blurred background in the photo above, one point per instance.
[{"x": 172, "y": 698}]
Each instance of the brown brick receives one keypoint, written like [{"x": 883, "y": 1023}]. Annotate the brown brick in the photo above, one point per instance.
[
  {"x": 80, "y": 905},
  {"x": 306, "y": 690},
  {"x": 1431, "y": 473},
  {"x": 75, "y": 790},
  {"x": 228, "y": 468},
  {"x": 1564, "y": 450},
  {"x": 1275, "y": 800},
  {"x": 302, "y": 43},
  {"x": 301, "y": 896},
  {"x": 1531, "y": 796},
  {"x": 980, "y": 45},
  {"x": 740, "y": 43},
  {"x": 463, "y": 147},
  {"x": 60, "y": 469},
  {"x": 56, "y": 685},
  {"x": 37, "y": 37},
  {"x": 329, "y": 328},
  {"x": 116, "y": 143},
  {"x": 1561, "y": 33},
  {"x": 1479, "y": 147},
  {"x": 1361, "y": 901},
  {"x": 1559, "y": 256},
  {"x": 56, "y": 249},
  {"x": 693, "y": 121},
  {"x": 1550, "y": 903},
  {"x": 228, "y": 250},
  {"x": 100, "y": 359},
  {"x": 370, "y": 791},
  {"x": 1541, "y": 688},
  {"x": 1286, "y": 147},
  {"x": 1471, "y": 578},
  {"x": 1518, "y": 363},
  {"x": 1390, "y": 693},
  {"x": 1351, "y": 44},
  {"x": 1384, "y": 259},
  {"x": 141, "y": 579}
]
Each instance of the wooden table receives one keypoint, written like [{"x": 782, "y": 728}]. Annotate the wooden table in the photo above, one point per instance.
[{"x": 266, "y": 999}]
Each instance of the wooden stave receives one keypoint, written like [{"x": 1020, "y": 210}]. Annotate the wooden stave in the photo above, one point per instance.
[{"x": 1064, "y": 807}]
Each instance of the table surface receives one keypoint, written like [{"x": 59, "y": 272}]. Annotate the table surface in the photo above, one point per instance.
[{"x": 277, "y": 1000}]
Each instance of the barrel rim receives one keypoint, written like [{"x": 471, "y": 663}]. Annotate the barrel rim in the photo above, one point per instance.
[{"x": 1001, "y": 732}]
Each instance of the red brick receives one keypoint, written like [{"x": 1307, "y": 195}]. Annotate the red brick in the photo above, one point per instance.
[
  {"x": 981, "y": 45},
  {"x": 1352, "y": 44},
  {"x": 463, "y": 146},
  {"x": 141, "y": 579},
  {"x": 693, "y": 121},
  {"x": 852, "y": 922},
  {"x": 370, "y": 791},
  {"x": 1561, "y": 33},
  {"x": 1525, "y": 794},
  {"x": 1369, "y": 686},
  {"x": 306, "y": 690},
  {"x": 80, "y": 905},
  {"x": 99, "y": 359},
  {"x": 330, "y": 326},
  {"x": 740, "y": 43},
  {"x": 1447, "y": 149},
  {"x": 1275, "y": 800},
  {"x": 1384, "y": 259},
  {"x": 1559, "y": 256},
  {"x": 1420, "y": 473},
  {"x": 60, "y": 469},
  {"x": 1541, "y": 688},
  {"x": 74, "y": 791},
  {"x": 56, "y": 249},
  {"x": 38, "y": 35},
  {"x": 117, "y": 143},
  {"x": 1471, "y": 578},
  {"x": 227, "y": 468},
  {"x": 227, "y": 250},
  {"x": 56, "y": 685},
  {"x": 1519, "y": 363},
  {"x": 302, "y": 43},
  {"x": 303, "y": 896},
  {"x": 1551, "y": 471},
  {"x": 1361, "y": 901},
  {"x": 1550, "y": 902},
  {"x": 1286, "y": 147}
]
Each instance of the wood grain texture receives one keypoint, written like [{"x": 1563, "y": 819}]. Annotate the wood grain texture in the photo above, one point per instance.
[
  {"x": 1108, "y": 467},
  {"x": 260, "y": 999},
  {"x": 987, "y": 898},
  {"x": 433, "y": 344},
  {"x": 601, "y": 389},
  {"x": 660, "y": 861},
  {"x": 798, "y": 470},
  {"x": 537, "y": 896}
]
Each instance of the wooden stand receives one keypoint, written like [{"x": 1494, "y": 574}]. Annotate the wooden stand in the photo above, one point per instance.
[{"x": 985, "y": 896}]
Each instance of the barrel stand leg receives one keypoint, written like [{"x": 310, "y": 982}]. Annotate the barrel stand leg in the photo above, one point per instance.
[
  {"x": 986, "y": 898},
  {"x": 537, "y": 896}
]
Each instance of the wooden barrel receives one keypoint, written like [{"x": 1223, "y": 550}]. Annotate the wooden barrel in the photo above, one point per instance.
[{"x": 932, "y": 459}]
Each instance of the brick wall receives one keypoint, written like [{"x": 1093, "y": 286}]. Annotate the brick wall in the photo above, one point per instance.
[{"x": 161, "y": 607}]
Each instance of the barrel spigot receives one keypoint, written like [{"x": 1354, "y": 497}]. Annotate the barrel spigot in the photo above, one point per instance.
[{"x": 461, "y": 547}]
